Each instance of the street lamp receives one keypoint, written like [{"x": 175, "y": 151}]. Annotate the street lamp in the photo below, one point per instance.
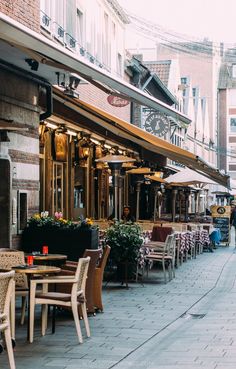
[{"x": 115, "y": 163}]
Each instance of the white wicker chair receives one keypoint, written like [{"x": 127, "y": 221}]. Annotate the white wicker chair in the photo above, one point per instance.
[
  {"x": 72, "y": 300},
  {"x": 6, "y": 292},
  {"x": 9, "y": 259}
]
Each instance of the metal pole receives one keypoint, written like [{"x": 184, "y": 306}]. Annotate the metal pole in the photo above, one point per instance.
[
  {"x": 174, "y": 192},
  {"x": 138, "y": 188}
]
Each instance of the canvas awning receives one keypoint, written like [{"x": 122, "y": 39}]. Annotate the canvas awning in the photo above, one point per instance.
[
  {"x": 144, "y": 139},
  {"x": 53, "y": 57}
]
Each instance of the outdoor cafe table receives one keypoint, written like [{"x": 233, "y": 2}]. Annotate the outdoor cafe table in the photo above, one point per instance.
[
  {"x": 48, "y": 259},
  {"x": 30, "y": 271}
]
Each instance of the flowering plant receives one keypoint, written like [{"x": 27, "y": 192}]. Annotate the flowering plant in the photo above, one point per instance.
[
  {"x": 44, "y": 220},
  {"x": 86, "y": 222}
]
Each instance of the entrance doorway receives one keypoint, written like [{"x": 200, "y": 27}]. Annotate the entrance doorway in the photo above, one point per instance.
[{"x": 5, "y": 197}]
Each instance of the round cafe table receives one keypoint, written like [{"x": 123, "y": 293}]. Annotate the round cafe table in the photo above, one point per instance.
[
  {"x": 30, "y": 271},
  {"x": 48, "y": 259}
]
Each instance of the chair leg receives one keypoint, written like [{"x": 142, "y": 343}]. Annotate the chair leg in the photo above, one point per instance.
[
  {"x": 76, "y": 319},
  {"x": 170, "y": 270},
  {"x": 44, "y": 319},
  {"x": 32, "y": 309},
  {"x": 173, "y": 268},
  {"x": 164, "y": 270},
  {"x": 23, "y": 309},
  {"x": 85, "y": 316},
  {"x": 13, "y": 314},
  {"x": 7, "y": 334}
]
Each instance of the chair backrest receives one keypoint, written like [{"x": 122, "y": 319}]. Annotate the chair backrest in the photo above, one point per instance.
[
  {"x": 6, "y": 290},
  {"x": 11, "y": 259},
  {"x": 103, "y": 260},
  {"x": 160, "y": 233},
  {"x": 81, "y": 274},
  {"x": 171, "y": 244}
]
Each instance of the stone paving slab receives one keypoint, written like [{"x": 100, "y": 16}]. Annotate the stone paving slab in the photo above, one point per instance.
[{"x": 142, "y": 326}]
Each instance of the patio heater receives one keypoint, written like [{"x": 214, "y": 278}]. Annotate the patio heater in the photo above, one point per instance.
[
  {"x": 115, "y": 163},
  {"x": 159, "y": 183},
  {"x": 139, "y": 178}
]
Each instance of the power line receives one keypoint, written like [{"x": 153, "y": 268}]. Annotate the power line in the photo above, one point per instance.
[{"x": 177, "y": 41}]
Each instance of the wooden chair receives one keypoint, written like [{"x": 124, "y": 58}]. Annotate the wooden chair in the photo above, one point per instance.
[
  {"x": 164, "y": 253},
  {"x": 9, "y": 260},
  {"x": 72, "y": 300},
  {"x": 6, "y": 293},
  {"x": 98, "y": 278}
]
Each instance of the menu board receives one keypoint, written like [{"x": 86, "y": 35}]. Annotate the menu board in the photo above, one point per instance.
[
  {"x": 221, "y": 220},
  {"x": 224, "y": 227}
]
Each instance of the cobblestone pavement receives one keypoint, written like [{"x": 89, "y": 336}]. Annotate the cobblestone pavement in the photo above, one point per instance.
[{"x": 187, "y": 323}]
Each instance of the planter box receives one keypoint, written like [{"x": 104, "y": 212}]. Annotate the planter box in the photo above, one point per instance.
[{"x": 71, "y": 242}]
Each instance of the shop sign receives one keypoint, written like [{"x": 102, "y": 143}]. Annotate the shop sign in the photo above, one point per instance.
[
  {"x": 157, "y": 124},
  {"x": 117, "y": 101}
]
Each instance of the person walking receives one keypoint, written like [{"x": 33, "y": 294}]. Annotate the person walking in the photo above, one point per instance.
[{"x": 233, "y": 222}]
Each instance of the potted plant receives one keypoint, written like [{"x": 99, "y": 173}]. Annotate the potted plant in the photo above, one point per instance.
[{"x": 125, "y": 240}]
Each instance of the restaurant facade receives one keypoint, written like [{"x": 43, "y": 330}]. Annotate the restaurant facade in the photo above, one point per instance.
[{"x": 51, "y": 140}]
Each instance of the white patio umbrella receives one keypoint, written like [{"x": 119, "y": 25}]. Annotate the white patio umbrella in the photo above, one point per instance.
[{"x": 186, "y": 177}]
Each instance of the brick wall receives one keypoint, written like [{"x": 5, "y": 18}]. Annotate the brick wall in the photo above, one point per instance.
[
  {"x": 26, "y": 12},
  {"x": 19, "y": 106},
  {"x": 97, "y": 97}
]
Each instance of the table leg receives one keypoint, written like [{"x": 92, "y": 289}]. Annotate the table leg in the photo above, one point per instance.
[{"x": 28, "y": 318}]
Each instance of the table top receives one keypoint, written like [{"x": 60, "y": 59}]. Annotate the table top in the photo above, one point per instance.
[
  {"x": 37, "y": 269},
  {"x": 47, "y": 256}
]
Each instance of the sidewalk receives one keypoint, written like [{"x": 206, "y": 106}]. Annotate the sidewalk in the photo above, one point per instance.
[{"x": 149, "y": 326}]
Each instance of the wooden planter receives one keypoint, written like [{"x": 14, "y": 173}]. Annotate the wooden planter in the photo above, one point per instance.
[{"x": 71, "y": 242}]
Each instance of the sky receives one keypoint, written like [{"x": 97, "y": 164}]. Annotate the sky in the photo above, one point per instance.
[{"x": 214, "y": 19}]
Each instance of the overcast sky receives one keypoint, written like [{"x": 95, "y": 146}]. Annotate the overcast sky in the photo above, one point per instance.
[{"x": 215, "y": 19}]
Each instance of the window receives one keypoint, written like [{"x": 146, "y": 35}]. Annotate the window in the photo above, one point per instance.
[
  {"x": 105, "y": 40},
  {"x": 58, "y": 21},
  {"x": 45, "y": 15},
  {"x": 232, "y": 153},
  {"x": 233, "y": 125},
  {"x": 232, "y": 97},
  {"x": 119, "y": 64},
  {"x": 234, "y": 70},
  {"x": 71, "y": 17},
  {"x": 79, "y": 24}
]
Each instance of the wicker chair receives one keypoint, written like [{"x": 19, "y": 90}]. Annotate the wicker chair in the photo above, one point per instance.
[
  {"x": 70, "y": 300},
  {"x": 98, "y": 278},
  {"x": 6, "y": 293},
  {"x": 69, "y": 269},
  {"x": 7, "y": 261}
]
